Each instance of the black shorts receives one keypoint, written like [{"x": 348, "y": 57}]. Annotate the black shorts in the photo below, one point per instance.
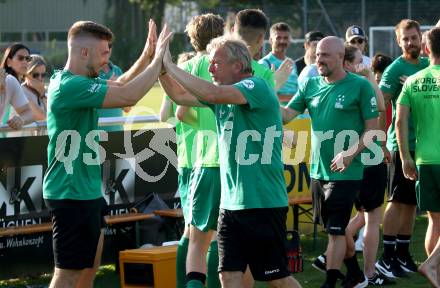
[
  {"x": 77, "y": 226},
  {"x": 400, "y": 189},
  {"x": 373, "y": 187},
  {"x": 254, "y": 237},
  {"x": 333, "y": 203}
]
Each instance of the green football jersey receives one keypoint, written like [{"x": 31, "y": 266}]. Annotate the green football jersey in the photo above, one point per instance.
[
  {"x": 250, "y": 136},
  {"x": 74, "y": 170},
  {"x": 336, "y": 109},
  {"x": 390, "y": 84},
  {"x": 421, "y": 93}
]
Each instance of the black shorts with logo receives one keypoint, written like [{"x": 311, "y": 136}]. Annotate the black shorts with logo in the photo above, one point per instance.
[
  {"x": 77, "y": 227},
  {"x": 254, "y": 237},
  {"x": 333, "y": 203},
  {"x": 400, "y": 189},
  {"x": 373, "y": 187}
]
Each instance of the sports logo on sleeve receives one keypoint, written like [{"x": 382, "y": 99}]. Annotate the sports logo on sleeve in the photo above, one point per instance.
[
  {"x": 94, "y": 87},
  {"x": 249, "y": 84}
]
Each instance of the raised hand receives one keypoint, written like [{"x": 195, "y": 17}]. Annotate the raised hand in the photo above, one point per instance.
[
  {"x": 283, "y": 72},
  {"x": 363, "y": 70},
  {"x": 167, "y": 59},
  {"x": 37, "y": 85},
  {"x": 150, "y": 44},
  {"x": 163, "y": 41}
]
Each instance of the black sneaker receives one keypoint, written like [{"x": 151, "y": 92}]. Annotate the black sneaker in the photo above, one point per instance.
[
  {"x": 320, "y": 263},
  {"x": 379, "y": 280},
  {"x": 390, "y": 268},
  {"x": 351, "y": 282},
  {"x": 407, "y": 264}
]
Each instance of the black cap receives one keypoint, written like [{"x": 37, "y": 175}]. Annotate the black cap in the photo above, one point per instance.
[
  {"x": 313, "y": 36},
  {"x": 354, "y": 32}
]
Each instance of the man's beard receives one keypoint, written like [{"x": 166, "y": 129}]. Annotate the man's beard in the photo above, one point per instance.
[
  {"x": 92, "y": 72},
  {"x": 325, "y": 71},
  {"x": 414, "y": 53}
]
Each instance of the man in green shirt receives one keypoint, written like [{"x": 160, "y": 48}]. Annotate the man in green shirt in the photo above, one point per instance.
[
  {"x": 400, "y": 212},
  {"x": 72, "y": 183},
  {"x": 420, "y": 96},
  {"x": 253, "y": 192},
  {"x": 339, "y": 104},
  {"x": 199, "y": 187}
]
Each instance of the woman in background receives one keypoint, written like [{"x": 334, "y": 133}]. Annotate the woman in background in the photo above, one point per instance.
[
  {"x": 33, "y": 86},
  {"x": 14, "y": 64}
]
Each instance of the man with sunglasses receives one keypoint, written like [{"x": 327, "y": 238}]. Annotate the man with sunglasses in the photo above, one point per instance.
[{"x": 355, "y": 36}]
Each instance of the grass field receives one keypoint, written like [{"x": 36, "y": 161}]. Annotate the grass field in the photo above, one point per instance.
[
  {"x": 107, "y": 278},
  {"x": 149, "y": 105}
]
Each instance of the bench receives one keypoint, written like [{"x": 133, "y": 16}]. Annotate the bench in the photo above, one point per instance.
[
  {"x": 176, "y": 218},
  {"x": 47, "y": 226},
  {"x": 298, "y": 203},
  {"x": 28, "y": 229}
]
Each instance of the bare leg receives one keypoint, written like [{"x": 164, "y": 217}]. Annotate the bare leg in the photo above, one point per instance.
[
  {"x": 356, "y": 223},
  {"x": 287, "y": 282},
  {"x": 391, "y": 217},
  {"x": 64, "y": 278},
  {"x": 432, "y": 232},
  {"x": 88, "y": 275},
  {"x": 407, "y": 218},
  {"x": 231, "y": 279},
  {"x": 198, "y": 247},
  {"x": 371, "y": 240},
  {"x": 335, "y": 251},
  {"x": 248, "y": 280},
  {"x": 430, "y": 268}
]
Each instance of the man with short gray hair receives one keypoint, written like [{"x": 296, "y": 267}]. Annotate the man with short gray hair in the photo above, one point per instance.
[{"x": 252, "y": 180}]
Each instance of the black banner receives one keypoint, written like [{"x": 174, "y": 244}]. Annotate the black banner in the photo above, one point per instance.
[{"x": 136, "y": 163}]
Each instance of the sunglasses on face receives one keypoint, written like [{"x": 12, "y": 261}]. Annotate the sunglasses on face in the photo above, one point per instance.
[
  {"x": 22, "y": 58},
  {"x": 39, "y": 75},
  {"x": 357, "y": 40}
]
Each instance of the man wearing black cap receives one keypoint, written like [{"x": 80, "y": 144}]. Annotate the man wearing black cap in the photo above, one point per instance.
[
  {"x": 310, "y": 38},
  {"x": 355, "y": 36}
]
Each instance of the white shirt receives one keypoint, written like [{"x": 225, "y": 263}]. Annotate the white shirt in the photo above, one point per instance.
[{"x": 13, "y": 95}]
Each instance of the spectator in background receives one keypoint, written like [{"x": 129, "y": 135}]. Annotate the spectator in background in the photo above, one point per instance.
[
  {"x": 14, "y": 63},
  {"x": 423, "y": 49},
  {"x": 355, "y": 36},
  {"x": 378, "y": 65},
  {"x": 15, "y": 60},
  {"x": 279, "y": 40},
  {"x": 311, "y": 70},
  {"x": 33, "y": 86},
  {"x": 310, "y": 39},
  {"x": 372, "y": 190},
  {"x": 110, "y": 72}
]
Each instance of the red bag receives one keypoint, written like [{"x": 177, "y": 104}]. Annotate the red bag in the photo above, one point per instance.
[{"x": 294, "y": 255}]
